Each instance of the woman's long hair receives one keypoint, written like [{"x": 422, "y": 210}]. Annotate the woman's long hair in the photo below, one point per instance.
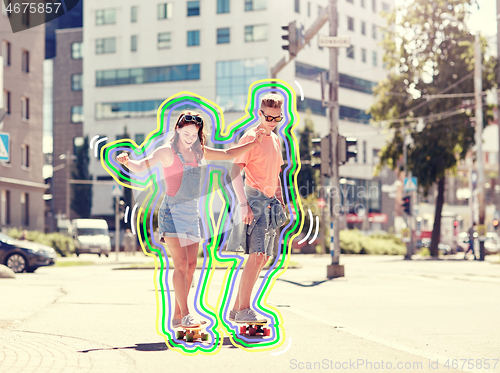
[{"x": 198, "y": 146}]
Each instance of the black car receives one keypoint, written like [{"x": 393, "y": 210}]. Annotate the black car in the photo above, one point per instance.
[{"x": 24, "y": 256}]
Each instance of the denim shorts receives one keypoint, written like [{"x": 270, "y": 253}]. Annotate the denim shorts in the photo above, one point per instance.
[
  {"x": 179, "y": 219},
  {"x": 261, "y": 238}
]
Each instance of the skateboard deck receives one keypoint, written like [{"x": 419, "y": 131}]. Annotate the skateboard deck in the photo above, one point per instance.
[
  {"x": 254, "y": 328},
  {"x": 191, "y": 333}
]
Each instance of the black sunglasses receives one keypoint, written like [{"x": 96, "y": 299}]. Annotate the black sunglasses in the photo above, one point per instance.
[
  {"x": 192, "y": 118},
  {"x": 270, "y": 118}
]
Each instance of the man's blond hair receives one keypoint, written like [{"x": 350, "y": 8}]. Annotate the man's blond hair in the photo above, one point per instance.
[{"x": 271, "y": 100}]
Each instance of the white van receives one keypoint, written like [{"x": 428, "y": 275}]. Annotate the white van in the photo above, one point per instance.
[{"x": 91, "y": 236}]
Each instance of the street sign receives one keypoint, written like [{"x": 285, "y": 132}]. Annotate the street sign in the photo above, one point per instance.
[
  {"x": 410, "y": 184},
  {"x": 4, "y": 147},
  {"x": 481, "y": 231},
  {"x": 405, "y": 235},
  {"x": 321, "y": 203},
  {"x": 334, "y": 41},
  {"x": 116, "y": 191}
]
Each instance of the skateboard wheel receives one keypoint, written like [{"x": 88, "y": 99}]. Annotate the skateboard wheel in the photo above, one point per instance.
[
  {"x": 252, "y": 331},
  {"x": 204, "y": 336},
  {"x": 189, "y": 337},
  {"x": 267, "y": 332},
  {"x": 179, "y": 334},
  {"x": 243, "y": 329}
]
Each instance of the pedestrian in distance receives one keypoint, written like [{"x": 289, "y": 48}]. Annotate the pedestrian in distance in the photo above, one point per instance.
[
  {"x": 178, "y": 217},
  {"x": 472, "y": 232},
  {"x": 261, "y": 203},
  {"x": 129, "y": 242}
]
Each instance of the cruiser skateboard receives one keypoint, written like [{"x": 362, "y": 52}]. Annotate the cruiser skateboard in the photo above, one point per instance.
[
  {"x": 254, "y": 328},
  {"x": 191, "y": 333}
]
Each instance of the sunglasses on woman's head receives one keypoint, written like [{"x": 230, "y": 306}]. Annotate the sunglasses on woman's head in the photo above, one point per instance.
[
  {"x": 192, "y": 118},
  {"x": 270, "y": 118}
]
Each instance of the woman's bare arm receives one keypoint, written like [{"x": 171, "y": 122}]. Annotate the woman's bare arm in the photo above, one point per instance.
[
  {"x": 222, "y": 154},
  {"x": 163, "y": 154}
]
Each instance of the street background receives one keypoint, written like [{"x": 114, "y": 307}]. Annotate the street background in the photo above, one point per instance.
[{"x": 101, "y": 318}]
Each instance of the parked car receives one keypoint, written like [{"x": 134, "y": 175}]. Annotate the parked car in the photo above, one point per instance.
[
  {"x": 443, "y": 248},
  {"x": 491, "y": 244},
  {"x": 25, "y": 256},
  {"x": 91, "y": 236}
]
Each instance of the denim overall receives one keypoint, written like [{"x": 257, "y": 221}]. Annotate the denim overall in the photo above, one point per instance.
[{"x": 178, "y": 216}]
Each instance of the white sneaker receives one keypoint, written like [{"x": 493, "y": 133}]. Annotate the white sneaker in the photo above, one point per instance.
[
  {"x": 189, "y": 322},
  {"x": 232, "y": 315},
  {"x": 176, "y": 323},
  {"x": 248, "y": 315}
]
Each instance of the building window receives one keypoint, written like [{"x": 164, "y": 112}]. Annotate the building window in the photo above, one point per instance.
[
  {"x": 129, "y": 109},
  {"x": 105, "y": 17},
  {"x": 25, "y": 155},
  {"x": 77, "y": 114},
  {"x": 223, "y": 35},
  {"x": 255, "y": 33},
  {"x": 374, "y": 32},
  {"x": 25, "y": 209},
  {"x": 165, "y": 11},
  {"x": 133, "y": 14},
  {"x": 310, "y": 72},
  {"x": 148, "y": 75},
  {"x": 77, "y": 50},
  {"x": 139, "y": 138},
  {"x": 363, "y": 5},
  {"x": 308, "y": 8},
  {"x": 26, "y": 19},
  {"x": 5, "y": 207},
  {"x": 374, "y": 5},
  {"x": 193, "y": 38},
  {"x": 193, "y": 8},
  {"x": 363, "y": 28},
  {"x": 105, "y": 45},
  {"x": 6, "y": 50},
  {"x": 26, "y": 62},
  {"x": 364, "y": 151},
  {"x": 386, "y": 7},
  {"x": 222, "y": 6},
  {"x": 374, "y": 58},
  {"x": 251, "y": 5},
  {"x": 350, "y": 23},
  {"x": 297, "y": 6},
  {"x": 363, "y": 55},
  {"x": 164, "y": 40},
  {"x": 76, "y": 82},
  {"x": 6, "y": 101},
  {"x": 25, "y": 108},
  {"x": 350, "y": 52},
  {"x": 133, "y": 43},
  {"x": 234, "y": 78}
]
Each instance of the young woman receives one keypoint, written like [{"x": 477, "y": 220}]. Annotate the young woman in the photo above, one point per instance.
[{"x": 178, "y": 216}]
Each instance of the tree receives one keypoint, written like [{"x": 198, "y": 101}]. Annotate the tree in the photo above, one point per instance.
[
  {"x": 428, "y": 54},
  {"x": 81, "y": 196}
]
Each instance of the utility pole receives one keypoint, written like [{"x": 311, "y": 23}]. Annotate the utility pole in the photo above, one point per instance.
[
  {"x": 497, "y": 193},
  {"x": 117, "y": 226},
  {"x": 478, "y": 89},
  {"x": 68, "y": 174},
  {"x": 334, "y": 269}
]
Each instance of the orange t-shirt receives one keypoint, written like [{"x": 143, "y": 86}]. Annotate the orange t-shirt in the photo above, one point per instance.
[{"x": 262, "y": 163}]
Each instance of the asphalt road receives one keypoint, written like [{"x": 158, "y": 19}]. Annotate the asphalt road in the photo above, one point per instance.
[{"x": 386, "y": 314}]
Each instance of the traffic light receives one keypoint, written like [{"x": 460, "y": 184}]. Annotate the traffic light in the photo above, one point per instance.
[
  {"x": 406, "y": 205},
  {"x": 346, "y": 151},
  {"x": 292, "y": 39},
  {"x": 495, "y": 223},
  {"x": 323, "y": 152}
]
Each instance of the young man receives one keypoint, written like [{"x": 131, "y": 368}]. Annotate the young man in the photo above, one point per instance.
[{"x": 261, "y": 203}]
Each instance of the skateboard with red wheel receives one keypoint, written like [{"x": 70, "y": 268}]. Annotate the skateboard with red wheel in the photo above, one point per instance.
[
  {"x": 191, "y": 333},
  {"x": 254, "y": 328}
]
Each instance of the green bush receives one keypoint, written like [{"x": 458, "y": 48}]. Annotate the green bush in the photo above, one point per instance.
[
  {"x": 62, "y": 244},
  {"x": 354, "y": 242}
]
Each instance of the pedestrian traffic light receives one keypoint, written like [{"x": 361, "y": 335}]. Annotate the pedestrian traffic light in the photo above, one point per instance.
[
  {"x": 495, "y": 223},
  {"x": 346, "y": 146},
  {"x": 292, "y": 39},
  {"x": 406, "y": 205},
  {"x": 322, "y": 152}
]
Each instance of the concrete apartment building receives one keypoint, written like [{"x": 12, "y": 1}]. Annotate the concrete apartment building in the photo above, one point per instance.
[
  {"x": 218, "y": 48},
  {"x": 21, "y": 182},
  {"x": 68, "y": 108}
]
